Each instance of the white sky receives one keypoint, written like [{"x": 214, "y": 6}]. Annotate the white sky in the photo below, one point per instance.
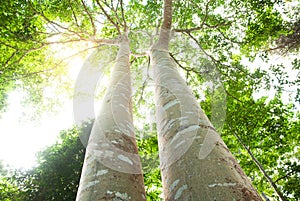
[
  {"x": 19, "y": 141},
  {"x": 287, "y": 95}
]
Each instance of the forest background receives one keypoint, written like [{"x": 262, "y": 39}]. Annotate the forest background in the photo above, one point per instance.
[{"x": 239, "y": 58}]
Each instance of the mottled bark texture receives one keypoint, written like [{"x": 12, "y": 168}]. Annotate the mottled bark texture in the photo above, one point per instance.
[
  {"x": 195, "y": 164},
  {"x": 112, "y": 169}
]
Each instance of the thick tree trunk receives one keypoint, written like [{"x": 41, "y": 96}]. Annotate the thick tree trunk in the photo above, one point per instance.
[
  {"x": 195, "y": 164},
  {"x": 112, "y": 169}
]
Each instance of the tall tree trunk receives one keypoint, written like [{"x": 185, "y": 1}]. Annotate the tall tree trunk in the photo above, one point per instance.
[
  {"x": 112, "y": 169},
  {"x": 195, "y": 164}
]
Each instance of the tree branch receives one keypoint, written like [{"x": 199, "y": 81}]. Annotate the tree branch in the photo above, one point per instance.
[
  {"x": 285, "y": 176},
  {"x": 90, "y": 17},
  {"x": 200, "y": 27},
  {"x": 7, "y": 45},
  {"x": 181, "y": 66},
  {"x": 206, "y": 14},
  {"x": 229, "y": 94},
  {"x": 22, "y": 76},
  {"x": 111, "y": 7},
  {"x": 260, "y": 167},
  {"x": 123, "y": 16},
  {"x": 23, "y": 52},
  {"x": 200, "y": 46},
  {"x": 74, "y": 15},
  {"x": 9, "y": 58},
  {"x": 56, "y": 24},
  {"x": 108, "y": 17},
  {"x": 229, "y": 39}
]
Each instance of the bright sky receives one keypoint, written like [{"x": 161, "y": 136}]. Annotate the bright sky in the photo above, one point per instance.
[
  {"x": 289, "y": 94},
  {"x": 21, "y": 140}
]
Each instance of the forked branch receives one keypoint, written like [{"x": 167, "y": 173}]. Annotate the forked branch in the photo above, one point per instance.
[
  {"x": 109, "y": 17},
  {"x": 90, "y": 17}
]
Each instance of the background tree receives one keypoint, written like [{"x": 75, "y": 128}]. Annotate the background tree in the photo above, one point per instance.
[
  {"x": 60, "y": 165},
  {"x": 56, "y": 177},
  {"x": 8, "y": 191},
  {"x": 27, "y": 62}
]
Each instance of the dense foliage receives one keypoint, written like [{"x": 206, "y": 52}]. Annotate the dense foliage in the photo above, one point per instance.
[
  {"x": 58, "y": 172},
  {"x": 213, "y": 43}
]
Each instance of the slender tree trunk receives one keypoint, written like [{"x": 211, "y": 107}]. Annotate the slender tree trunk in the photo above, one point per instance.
[
  {"x": 195, "y": 164},
  {"x": 112, "y": 169}
]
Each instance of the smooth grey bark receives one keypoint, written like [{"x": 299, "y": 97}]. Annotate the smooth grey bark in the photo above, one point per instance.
[
  {"x": 112, "y": 169},
  {"x": 195, "y": 163}
]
